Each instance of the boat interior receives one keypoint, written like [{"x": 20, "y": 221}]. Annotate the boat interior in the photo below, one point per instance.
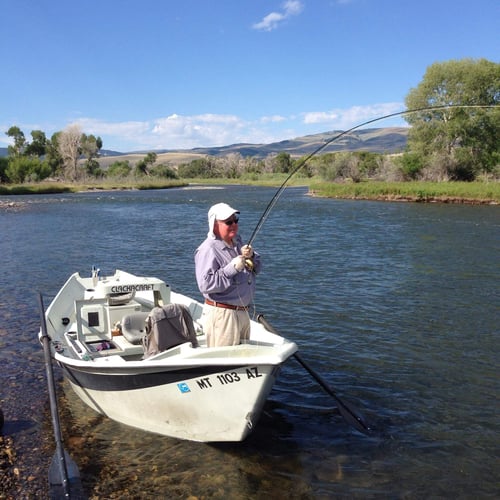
[
  {"x": 105, "y": 319},
  {"x": 101, "y": 330},
  {"x": 106, "y": 323}
]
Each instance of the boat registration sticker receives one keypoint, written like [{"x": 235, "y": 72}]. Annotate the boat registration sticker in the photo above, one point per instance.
[{"x": 183, "y": 387}]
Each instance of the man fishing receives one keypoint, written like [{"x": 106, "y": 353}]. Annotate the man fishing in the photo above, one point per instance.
[{"x": 225, "y": 273}]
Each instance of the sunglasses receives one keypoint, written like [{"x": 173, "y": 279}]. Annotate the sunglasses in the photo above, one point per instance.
[{"x": 230, "y": 222}]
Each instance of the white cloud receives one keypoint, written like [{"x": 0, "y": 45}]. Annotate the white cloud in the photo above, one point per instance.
[
  {"x": 346, "y": 118},
  {"x": 272, "y": 119},
  {"x": 274, "y": 19},
  {"x": 177, "y": 131},
  {"x": 128, "y": 129}
]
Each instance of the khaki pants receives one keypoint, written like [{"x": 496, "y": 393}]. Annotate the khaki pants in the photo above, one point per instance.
[{"x": 226, "y": 326}]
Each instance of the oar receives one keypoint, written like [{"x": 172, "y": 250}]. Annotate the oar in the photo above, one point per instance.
[
  {"x": 347, "y": 410},
  {"x": 63, "y": 469}
]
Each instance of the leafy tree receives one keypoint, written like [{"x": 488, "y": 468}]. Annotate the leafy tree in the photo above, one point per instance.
[
  {"x": 411, "y": 165},
  {"x": 53, "y": 156},
  {"x": 143, "y": 166},
  {"x": 16, "y": 149},
  {"x": 90, "y": 147},
  {"x": 369, "y": 163},
  {"x": 201, "y": 167},
  {"x": 283, "y": 163},
  {"x": 163, "y": 171},
  {"x": 4, "y": 163},
  {"x": 37, "y": 147},
  {"x": 468, "y": 137},
  {"x": 25, "y": 168},
  {"x": 119, "y": 169}
]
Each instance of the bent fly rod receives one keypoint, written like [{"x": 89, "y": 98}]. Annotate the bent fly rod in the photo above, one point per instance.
[{"x": 278, "y": 193}]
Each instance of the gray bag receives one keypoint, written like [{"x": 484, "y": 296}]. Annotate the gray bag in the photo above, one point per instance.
[{"x": 167, "y": 327}]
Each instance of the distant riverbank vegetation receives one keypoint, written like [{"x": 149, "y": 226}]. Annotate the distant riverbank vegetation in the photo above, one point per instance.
[{"x": 452, "y": 154}]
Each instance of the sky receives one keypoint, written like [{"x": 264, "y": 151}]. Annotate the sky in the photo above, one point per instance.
[{"x": 165, "y": 74}]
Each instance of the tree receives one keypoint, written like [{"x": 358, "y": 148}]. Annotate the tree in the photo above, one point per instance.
[
  {"x": 4, "y": 163},
  {"x": 466, "y": 137},
  {"x": 16, "y": 149},
  {"x": 283, "y": 162},
  {"x": 142, "y": 167},
  {"x": 26, "y": 168},
  {"x": 69, "y": 146},
  {"x": 37, "y": 147},
  {"x": 90, "y": 147},
  {"x": 119, "y": 169},
  {"x": 201, "y": 167},
  {"x": 163, "y": 171},
  {"x": 53, "y": 156}
]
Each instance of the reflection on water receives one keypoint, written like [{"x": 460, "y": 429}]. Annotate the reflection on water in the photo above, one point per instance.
[{"x": 395, "y": 305}]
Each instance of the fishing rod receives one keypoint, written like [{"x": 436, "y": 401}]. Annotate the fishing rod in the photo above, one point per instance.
[{"x": 278, "y": 193}]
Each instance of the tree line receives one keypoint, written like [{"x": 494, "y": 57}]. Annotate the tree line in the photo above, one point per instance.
[{"x": 456, "y": 142}]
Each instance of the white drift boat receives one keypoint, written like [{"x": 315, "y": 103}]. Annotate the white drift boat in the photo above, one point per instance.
[{"x": 96, "y": 326}]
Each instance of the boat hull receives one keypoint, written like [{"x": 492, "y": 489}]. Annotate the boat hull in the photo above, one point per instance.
[{"x": 202, "y": 404}]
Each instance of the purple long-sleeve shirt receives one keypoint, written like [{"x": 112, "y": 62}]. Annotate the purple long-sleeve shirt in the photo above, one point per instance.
[{"x": 217, "y": 278}]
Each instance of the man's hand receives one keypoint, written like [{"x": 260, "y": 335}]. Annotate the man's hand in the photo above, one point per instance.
[
  {"x": 239, "y": 263},
  {"x": 247, "y": 251}
]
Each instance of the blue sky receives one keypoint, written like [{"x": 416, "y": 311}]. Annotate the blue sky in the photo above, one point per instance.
[{"x": 165, "y": 74}]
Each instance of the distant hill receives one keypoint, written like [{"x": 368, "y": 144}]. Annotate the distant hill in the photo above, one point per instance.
[
  {"x": 375, "y": 140},
  {"x": 378, "y": 140}
]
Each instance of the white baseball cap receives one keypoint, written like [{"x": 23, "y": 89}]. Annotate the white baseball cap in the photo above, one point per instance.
[{"x": 219, "y": 211}]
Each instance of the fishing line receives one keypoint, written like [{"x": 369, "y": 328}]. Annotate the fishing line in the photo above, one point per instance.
[{"x": 274, "y": 199}]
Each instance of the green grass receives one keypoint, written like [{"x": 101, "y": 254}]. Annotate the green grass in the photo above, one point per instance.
[
  {"x": 445, "y": 192},
  {"x": 105, "y": 185}
]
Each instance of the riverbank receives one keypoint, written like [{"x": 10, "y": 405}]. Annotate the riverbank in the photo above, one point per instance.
[{"x": 474, "y": 193}]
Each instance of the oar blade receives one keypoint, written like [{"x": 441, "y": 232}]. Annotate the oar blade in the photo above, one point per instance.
[
  {"x": 353, "y": 417},
  {"x": 58, "y": 488},
  {"x": 55, "y": 476}
]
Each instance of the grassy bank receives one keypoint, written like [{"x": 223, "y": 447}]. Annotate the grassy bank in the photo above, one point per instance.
[
  {"x": 441, "y": 192},
  {"x": 105, "y": 185}
]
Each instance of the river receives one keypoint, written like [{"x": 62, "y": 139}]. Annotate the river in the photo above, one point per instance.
[{"x": 395, "y": 305}]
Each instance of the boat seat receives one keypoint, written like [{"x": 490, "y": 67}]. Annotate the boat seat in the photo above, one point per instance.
[{"x": 134, "y": 326}]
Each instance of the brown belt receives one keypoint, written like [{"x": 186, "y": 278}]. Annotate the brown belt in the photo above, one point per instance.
[{"x": 225, "y": 306}]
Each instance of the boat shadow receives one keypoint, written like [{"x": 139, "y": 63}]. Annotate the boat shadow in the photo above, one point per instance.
[{"x": 12, "y": 427}]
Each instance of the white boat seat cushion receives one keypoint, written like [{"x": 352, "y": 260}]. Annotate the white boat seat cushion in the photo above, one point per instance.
[{"x": 134, "y": 327}]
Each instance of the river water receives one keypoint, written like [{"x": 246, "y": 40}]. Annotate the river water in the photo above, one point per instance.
[{"x": 395, "y": 305}]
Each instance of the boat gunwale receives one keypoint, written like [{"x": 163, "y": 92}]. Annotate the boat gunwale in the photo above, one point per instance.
[{"x": 278, "y": 354}]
